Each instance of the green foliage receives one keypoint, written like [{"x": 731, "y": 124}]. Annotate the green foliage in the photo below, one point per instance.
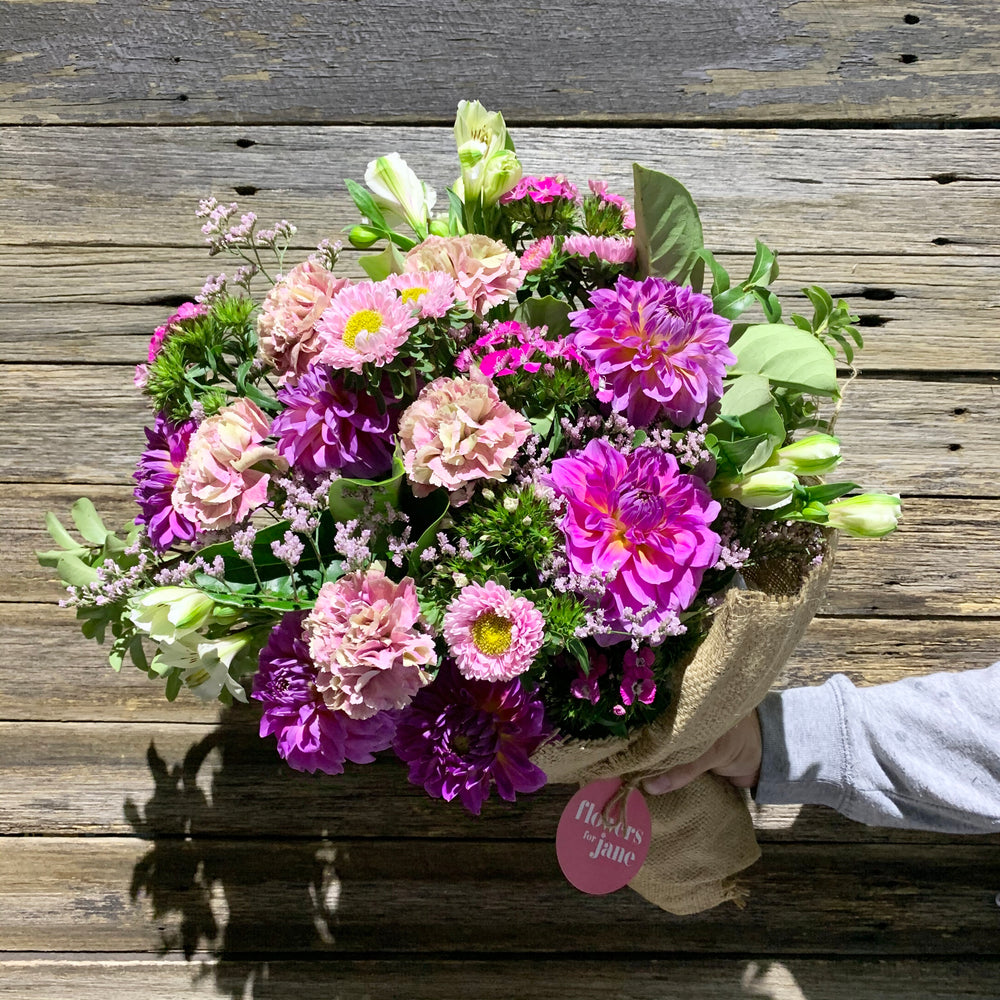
[
  {"x": 668, "y": 236},
  {"x": 787, "y": 357},
  {"x": 831, "y": 324},
  {"x": 208, "y": 359},
  {"x": 730, "y": 302}
]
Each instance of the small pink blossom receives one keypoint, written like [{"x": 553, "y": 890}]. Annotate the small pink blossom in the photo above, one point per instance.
[
  {"x": 365, "y": 324},
  {"x": 458, "y": 430},
  {"x": 286, "y": 327},
  {"x": 588, "y": 685},
  {"x": 541, "y": 190},
  {"x": 492, "y": 634},
  {"x": 217, "y": 485},
  {"x": 638, "y": 683},
  {"x": 430, "y": 293},
  {"x": 536, "y": 254},
  {"x": 600, "y": 189},
  {"x": 365, "y": 638},
  {"x": 610, "y": 249},
  {"x": 486, "y": 271},
  {"x": 188, "y": 310}
]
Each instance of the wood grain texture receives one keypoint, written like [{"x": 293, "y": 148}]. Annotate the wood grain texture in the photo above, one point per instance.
[
  {"x": 98, "y": 304},
  {"x": 205, "y": 975},
  {"x": 183, "y": 62},
  {"x": 800, "y": 190},
  {"x": 84, "y": 424},
  {"x": 172, "y": 779},
  {"x": 355, "y": 896}
]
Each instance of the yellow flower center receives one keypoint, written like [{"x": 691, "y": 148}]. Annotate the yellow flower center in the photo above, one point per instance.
[
  {"x": 491, "y": 633},
  {"x": 366, "y": 320},
  {"x": 413, "y": 295}
]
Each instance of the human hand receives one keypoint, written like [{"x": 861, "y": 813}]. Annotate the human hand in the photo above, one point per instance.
[{"x": 735, "y": 755}]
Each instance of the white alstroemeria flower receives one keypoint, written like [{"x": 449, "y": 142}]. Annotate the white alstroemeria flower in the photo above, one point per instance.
[
  {"x": 400, "y": 193},
  {"x": 168, "y": 613},
  {"x": 204, "y": 664}
]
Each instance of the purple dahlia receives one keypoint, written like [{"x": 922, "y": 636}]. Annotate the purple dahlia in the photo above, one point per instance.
[
  {"x": 460, "y": 736},
  {"x": 640, "y": 520},
  {"x": 311, "y": 736},
  {"x": 327, "y": 427},
  {"x": 658, "y": 346},
  {"x": 156, "y": 474}
]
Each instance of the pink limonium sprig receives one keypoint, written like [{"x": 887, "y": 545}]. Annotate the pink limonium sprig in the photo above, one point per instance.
[{"x": 241, "y": 237}]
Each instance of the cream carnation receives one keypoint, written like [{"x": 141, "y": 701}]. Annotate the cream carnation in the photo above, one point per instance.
[
  {"x": 486, "y": 271},
  {"x": 459, "y": 430},
  {"x": 286, "y": 327},
  {"x": 365, "y": 640},
  {"x": 217, "y": 485}
]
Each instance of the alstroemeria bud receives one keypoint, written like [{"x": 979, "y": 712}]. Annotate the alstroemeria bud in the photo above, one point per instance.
[
  {"x": 870, "y": 515},
  {"x": 814, "y": 455},
  {"x": 439, "y": 227},
  {"x": 765, "y": 489},
  {"x": 399, "y": 192},
  {"x": 362, "y": 237},
  {"x": 501, "y": 172},
  {"x": 167, "y": 613}
]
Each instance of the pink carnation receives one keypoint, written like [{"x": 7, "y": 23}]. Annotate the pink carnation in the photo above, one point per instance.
[
  {"x": 286, "y": 327},
  {"x": 430, "y": 293},
  {"x": 217, "y": 485},
  {"x": 492, "y": 634},
  {"x": 459, "y": 430},
  {"x": 610, "y": 249},
  {"x": 365, "y": 324},
  {"x": 365, "y": 638},
  {"x": 486, "y": 271}
]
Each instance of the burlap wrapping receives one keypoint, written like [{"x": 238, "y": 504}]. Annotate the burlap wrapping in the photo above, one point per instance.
[{"x": 703, "y": 834}]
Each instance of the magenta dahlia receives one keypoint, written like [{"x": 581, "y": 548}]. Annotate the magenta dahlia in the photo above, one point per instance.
[
  {"x": 156, "y": 475},
  {"x": 658, "y": 346},
  {"x": 310, "y": 736},
  {"x": 326, "y": 426},
  {"x": 459, "y": 737},
  {"x": 642, "y": 522}
]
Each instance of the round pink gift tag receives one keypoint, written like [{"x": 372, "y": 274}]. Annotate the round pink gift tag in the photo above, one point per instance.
[{"x": 601, "y": 843}]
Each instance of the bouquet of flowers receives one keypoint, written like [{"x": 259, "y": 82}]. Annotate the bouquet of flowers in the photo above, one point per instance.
[{"x": 489, "y": 499}]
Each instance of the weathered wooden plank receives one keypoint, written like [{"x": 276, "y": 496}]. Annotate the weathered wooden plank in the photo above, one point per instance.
[
  {"x": 84, "y": 424},
  {"x": 808, "y": 191},
  {"x": 166, "y": 977},
  {"x": 93, "y": 304},
  {"x": 489, "y": 898},
  {"x": 262, "y": 61},
  {"x": 164, "y": 779},
  {"x": 52, "y": 673}
]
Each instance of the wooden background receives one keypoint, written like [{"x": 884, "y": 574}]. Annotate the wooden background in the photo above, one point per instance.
[{"x": 153, "y": 850}]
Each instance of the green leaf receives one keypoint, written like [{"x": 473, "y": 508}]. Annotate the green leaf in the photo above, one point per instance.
[
  {"x": 59, "y": 534},
  {"x": 378, "y": 266},
  {"x": 546, "y": 311},
  {"x": 174, "y": 685},
  {"x": 429, "y": 535},
  {"x": 367, "y": 205},
  {"x": 829, "y": 491},
  {"x": 668, "y": 234},
  {"x": 456, "y": 213},
  {"x": 577, "y": 648},
  {"x": 732, "y": 303},
  {"x": 382, "y": 492},
  {"x": 745, "y": 454},
  {"x": 786, "y": 356},
  {"x": 51, "y": 557},
  {"x": 764, "y": 269},
  {"x": 88, "y": 522},
  {"x": 75, "y": 571},
  {"x": 720, "y": 276}
]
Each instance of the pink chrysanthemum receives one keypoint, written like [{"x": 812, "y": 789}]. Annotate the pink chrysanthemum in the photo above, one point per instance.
[
  {"x": 217, "y": 485},
  {"x": 430, "y": 293},
  {"x": 541, "y": 190},
  {"x": 492, "y": 634},
  {"x": 610, "y": 249},
  {"x": 457, "y": 431},
  {"x": 486, "y": 271},
  {"x": 658, "y": 346},
  {"x": 365, "y": 637},
  {"x": 536, "y": 254},
  {"x": 637, "y": 519},
  {"x": 600, "y": 190},
  {"x": 365, "y": 323}
]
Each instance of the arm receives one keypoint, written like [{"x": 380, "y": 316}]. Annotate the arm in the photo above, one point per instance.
[{"x": 922, "y": 753}]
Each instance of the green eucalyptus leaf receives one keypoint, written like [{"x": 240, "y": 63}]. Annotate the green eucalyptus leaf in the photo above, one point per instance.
[
  {"x": 59, "y": 534},
  {"x": 668, "y": 235},
  {"x": 548, "y": 312},
  {"x": 786, "y": 356},
  {"x": 88, "y": 522}
]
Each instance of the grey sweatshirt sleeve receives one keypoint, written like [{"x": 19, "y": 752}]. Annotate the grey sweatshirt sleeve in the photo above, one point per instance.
[{"x": 922, "y": 753}]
